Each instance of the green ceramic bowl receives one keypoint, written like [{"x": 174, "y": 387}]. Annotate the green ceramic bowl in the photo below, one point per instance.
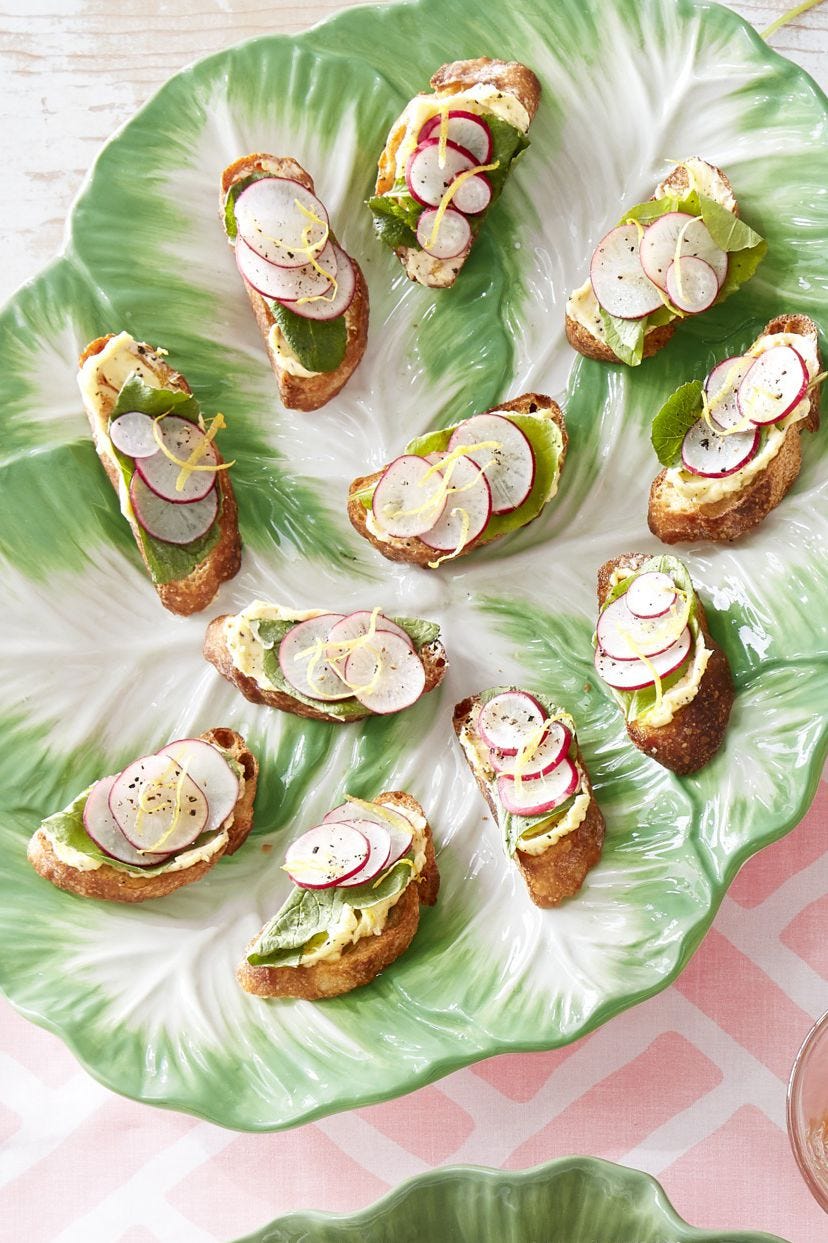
[
  {"x": 95, "y": 672},
  {"x": 571, "y": 1200}
]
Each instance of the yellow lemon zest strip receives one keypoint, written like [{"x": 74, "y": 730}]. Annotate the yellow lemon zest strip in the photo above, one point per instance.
[
  {"x": 464, "y": 536},
  {"x": 331, "y": 276},
  {"x": 527, "y": 751},
  {"x": 650, "y": 666},
  {"x": 445, "y": 468},
  {"x": 677, "y": 254},
  {"x": 177, "y": 785},
  {"x": 387, "y": 813},
  {"x": 711, "y": 404},
  {"x": 309, "y": 248},
  {"x": 189, "y": 465},
  {"x": 452, "y": 190}
]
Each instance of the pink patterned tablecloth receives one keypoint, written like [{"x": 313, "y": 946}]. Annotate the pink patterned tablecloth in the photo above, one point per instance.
[{"x": 689, "y": 1086}]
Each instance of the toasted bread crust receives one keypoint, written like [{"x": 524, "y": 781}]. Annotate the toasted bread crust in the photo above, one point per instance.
[
  {"x": 733, "y": 515},
  {"x": 698, "y": 728},
  {"x": 560, "y": 871},
  {"x": 110, "y": 885},
  {"x": 215, "y": 650},
  {"x": 413, "y": 551},
  {"x": 582, "y": 340},
  {"x": 302, "y": 392},
  {"x": 511, "y": 78},
  {"x": 361, "y": 962},
  {"x": 193, "y": 593}
]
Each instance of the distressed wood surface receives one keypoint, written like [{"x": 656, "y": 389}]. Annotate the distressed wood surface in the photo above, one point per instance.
[{"x": 72, "y": 71}]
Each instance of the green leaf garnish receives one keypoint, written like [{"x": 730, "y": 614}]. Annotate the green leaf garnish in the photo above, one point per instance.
[
  {"x": 625, "y": 337},
  {"x": 319, "y": 344},
  {"x": 673, "y": 421}
]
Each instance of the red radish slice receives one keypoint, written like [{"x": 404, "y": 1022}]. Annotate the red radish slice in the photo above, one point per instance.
[
  {"x": 131, "y": 433},
  {"x": 454, "y": 236},
  {"x": 467, "y": 129},
  {"x": 272, "y": 281},
  {"x": 473, "y": 196},
  {"x": 773, "y": 386},
  {"x": 401, "y": 838},
  {"x": 651, "y": 595},
  {"x": 623, "y": 636},
  {"x": 510, "y": 468},
  {"x": 553, "y": 747},
  {"x": 508, "y": 720},
  {"x": 409, "y": 497},
  {"x": 379, "y": 851},
  {"x": 619, "y": 282},
  {"x": 326, "y": 855},
  {"x": 170, "y": 523},
  {"x": 311, "y": 674},
  {"x": 351, "y": 811},
  {"x": 724, "y": 410},
  {"x": 357, "y": 624},
  {"x": 323, "y": 306},
  {"x": 658, "y": 246},
  {"x": 211, "y": 773},
  {"x": 691, "y": 285},
  {"x": 427, "y": 182},
  {"x": 533, "y": 798},
  {"x": 387, "y": 673},
  {"x": 269, "y": 217},
  {"x": 157, "y": 806},
  {"x": 634, "y": 675},
  {"x": 705, "y": 453},
  {"x": 160, "y": 474},
  {"x": 468, "y": 506},
  {"x": 105, "y": 832}
]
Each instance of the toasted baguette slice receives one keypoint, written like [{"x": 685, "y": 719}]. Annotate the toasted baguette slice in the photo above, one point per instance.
[
  {"x": 193, "y": 593},
  {"x": 111, "y": 885},
  {"x": 729, "y": 518},
  {"x": 510, "y": 78},
  {"x": 301, "y": 392},
  {"x": 698, "y": 728},
  {"x": 362, "y": 961},
  {"x": 216, "y": 651},
  {"x": 560, "y": 870},
  {"x": 582, "y": 340},
  {"x": 413, "y": 550}
]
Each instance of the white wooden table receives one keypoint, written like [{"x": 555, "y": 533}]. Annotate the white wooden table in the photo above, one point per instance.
[{"x": 72, "y": 71}]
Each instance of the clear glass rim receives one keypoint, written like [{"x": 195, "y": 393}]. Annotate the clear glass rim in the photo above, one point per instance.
[{"x": 817, "y": 1189}]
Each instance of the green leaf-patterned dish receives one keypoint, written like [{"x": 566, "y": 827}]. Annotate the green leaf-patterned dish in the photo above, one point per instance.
[
  {"x": 571, "y": 1200},
  {"x": 96, "y": 672}
]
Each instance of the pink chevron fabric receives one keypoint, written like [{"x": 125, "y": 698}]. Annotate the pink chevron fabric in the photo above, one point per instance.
[{"x": 689, "y": 1086}]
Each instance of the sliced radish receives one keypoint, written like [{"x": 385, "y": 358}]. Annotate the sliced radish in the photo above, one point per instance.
[
  {"x": 691, "y": 285},
  {"x": 272, "y": 281},
  {"x": 705, "y": 453},
  {"x": 401, "y": 837},
  {"x": 509, "y": 468},
  {"x": 554, "y": 747},
  {"x": 132, "y": 434},
  {"x": 624, "y": 636},
  {"x": 409, "y": 497},
  {"x": 468, "y": 506},
  {"x": 211, "y": 773},
  {"x": 454, "y": 236},
  {"x": 379, "y": 852},
  {"x": 169, "y": 522},
  {"x": 323, "y": 306},
  {"x": 105, "y": 831},
  {"x": 467, "y": 129},
  {"x": 724, "y": 410},
  {"x": 157, "y": 806},
  {"x": 508, "y": 720},
  {"x": 773, "y": 386},
  {"x": 533, "y": 798},
  {"x": 651, "y": 595},
  {"x": 355, "y": 625},
  {"x": 426, "y": 180},
  {"x": 269, "y": 217},
  {"x": 326, "y": 855},
  {"x": 661, "y": 238},
  {"x": 183, "y": 439},
  {"x": 386, "y": 675},
  {"x": 473, "y": 195},
  {"x": 634, "y": 675},
  {"x": 304, "y": 662},
  {"x": 619, "y": 282}
]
